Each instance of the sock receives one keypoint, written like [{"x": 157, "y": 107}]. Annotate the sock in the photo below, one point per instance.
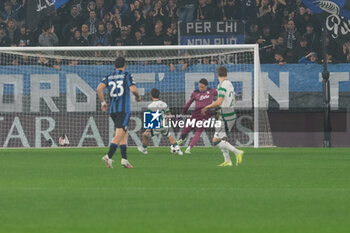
[
  {"x": 226, "y": 155},
  {"x": 189, "y": 147},
  {"x": 144, "y": 146},
  {"x": 196, "y": 137},
  {"x": 175, "y": 144},
  {"x": 225, "y": 145},
  {"x": 112, "y": 148},
  {"x": 123, "y": 151}
]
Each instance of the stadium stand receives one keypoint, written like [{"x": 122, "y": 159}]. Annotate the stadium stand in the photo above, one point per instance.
[{"x": 281, "y": 27}]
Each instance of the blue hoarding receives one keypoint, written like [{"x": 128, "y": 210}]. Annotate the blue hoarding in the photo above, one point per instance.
[{"x": 302, "y": 78}]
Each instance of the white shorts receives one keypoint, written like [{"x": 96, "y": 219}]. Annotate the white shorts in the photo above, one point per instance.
[
  {"x": 162, "y": 131},
  {"x": 224, "y": 129}
]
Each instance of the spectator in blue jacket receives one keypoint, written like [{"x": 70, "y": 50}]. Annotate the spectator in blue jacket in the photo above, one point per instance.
[
  {"x": 101, "y": 37},
  {"x": 123, "y": 8},
  {"x": 8, "y": 13},
  {"x": 311, "y": 58}
]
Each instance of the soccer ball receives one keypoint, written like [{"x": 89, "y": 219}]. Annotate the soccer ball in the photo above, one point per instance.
[{"x": 173, "y": 149}]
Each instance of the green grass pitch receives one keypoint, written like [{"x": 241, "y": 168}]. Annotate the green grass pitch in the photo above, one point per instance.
[{"x": 275, "y": 190}]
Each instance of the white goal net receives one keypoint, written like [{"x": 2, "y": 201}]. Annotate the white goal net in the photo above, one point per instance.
[{"x": 49, "y": 92}]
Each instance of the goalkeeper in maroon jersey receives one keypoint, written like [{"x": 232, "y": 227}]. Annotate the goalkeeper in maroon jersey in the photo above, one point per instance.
[{"x": 202, "y": 97}]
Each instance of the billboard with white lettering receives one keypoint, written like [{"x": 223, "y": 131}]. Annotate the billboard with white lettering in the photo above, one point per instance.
[
  {"x": 39, "y": 106},
  {"x": 205, "y": 32}
]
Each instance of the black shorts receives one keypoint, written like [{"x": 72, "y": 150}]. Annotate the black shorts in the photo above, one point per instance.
[{"x": 121, "y": 120}]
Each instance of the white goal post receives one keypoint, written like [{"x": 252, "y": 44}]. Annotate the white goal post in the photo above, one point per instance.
[{"x": 48, "y": 92}]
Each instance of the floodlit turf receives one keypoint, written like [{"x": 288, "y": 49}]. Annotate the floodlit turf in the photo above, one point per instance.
[{"x": 275, "y": 190}]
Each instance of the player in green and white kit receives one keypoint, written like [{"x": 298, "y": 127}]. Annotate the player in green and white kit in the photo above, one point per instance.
[
  {"x": 225, "y": 101},
  {"x": 162, "y": 107}
]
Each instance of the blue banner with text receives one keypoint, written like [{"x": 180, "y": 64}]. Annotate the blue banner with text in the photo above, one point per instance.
[{"x": 300, "y": 78}]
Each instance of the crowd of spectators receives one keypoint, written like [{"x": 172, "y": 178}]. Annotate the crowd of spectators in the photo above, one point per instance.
[{"x": 286, "y": 31}]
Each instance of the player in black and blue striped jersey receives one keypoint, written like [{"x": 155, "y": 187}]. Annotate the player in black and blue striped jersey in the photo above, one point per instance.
[{"x": 120, "y": 84}]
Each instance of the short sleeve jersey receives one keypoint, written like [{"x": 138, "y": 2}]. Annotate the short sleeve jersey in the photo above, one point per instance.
[
  {"x": 118, "y": 83},
  {"x": 159, "y": 105},
  {"x": 226, "y": 91}
]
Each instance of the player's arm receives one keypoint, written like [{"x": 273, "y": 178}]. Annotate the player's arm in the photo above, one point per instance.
[
  {"x": 220, "y": 98},
  {"x": 215, "y": 94},
  {"x": 135, "y": 92},
  {"x": 215, "y": 104},
  {"x": 167, "y": 111},
  {"x": 188, "y": 104},
  {"x": 133, "y": 88},
  {"x": 217, "y": 109},
  {"x": 100, "y": 88}
]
